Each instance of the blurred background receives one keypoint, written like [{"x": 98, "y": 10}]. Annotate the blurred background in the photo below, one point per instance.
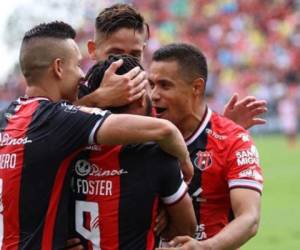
[{"x": 253, "y": 48}]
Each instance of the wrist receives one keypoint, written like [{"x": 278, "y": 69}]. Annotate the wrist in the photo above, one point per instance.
[{"x": 97, "y": 98}]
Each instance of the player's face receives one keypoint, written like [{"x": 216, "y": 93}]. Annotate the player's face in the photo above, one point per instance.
[
  {"x": 72, "y": 73},
  {"x": 171, "y": 95},
  {"x": 123, "y": 41}
]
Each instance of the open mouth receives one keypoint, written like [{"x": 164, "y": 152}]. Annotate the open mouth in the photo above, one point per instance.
[{"x": 159, "y": 110}]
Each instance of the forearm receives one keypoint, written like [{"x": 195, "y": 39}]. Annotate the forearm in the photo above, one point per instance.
[
  {"x": 235, "y": 234},
  {"x": 173, "y": 143},
  {"x": 97, "y": 98}
]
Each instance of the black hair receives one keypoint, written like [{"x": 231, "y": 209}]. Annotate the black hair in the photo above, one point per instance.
[
  {"x": 119, "y": 16},
  {"x": 191, "y": 61},
  {"x": 96, "y": 73},
  {"x": 56, "y": 29}
]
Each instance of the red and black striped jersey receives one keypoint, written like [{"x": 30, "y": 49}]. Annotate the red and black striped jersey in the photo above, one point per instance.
[
  {"x": 38, "y": 140},
  {"x": 224, "y": 157},
  {"x": 117, "y": 190}
]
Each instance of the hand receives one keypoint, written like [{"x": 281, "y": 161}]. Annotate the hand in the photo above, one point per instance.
[
  {"x": 245, "y": 111},
  {"x": 122, "y": 89},
  {"x": 161, "y": 221},
  {"x": 74, "y": 244},
  {"x": 187, "y": 169},
  {"x": 184, "y": 243}
]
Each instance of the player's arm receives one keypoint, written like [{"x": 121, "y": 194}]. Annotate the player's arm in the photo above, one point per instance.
[
  {"x": 246, "y": 208},
  {"x": 126, "y": 129},
  {"x": 245, "y": 112},
  {"x": 245, "y": 181},
  {"x": 116, "y": 90},
  {"x": 181, "y": 219}
]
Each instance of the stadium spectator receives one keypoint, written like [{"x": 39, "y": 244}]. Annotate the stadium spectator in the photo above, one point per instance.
[
  {"x": 251, "y": 46},
  {"x": 289, "y": 115},
  {"x": 117, "y": 188},
  {"x": 120, "y": 29},
  {"x": 40, "y": 135},
  {"x": 228, "y": 178}
]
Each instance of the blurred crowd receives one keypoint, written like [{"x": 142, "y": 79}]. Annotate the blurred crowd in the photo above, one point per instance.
[{"x": 252, "y": 46}]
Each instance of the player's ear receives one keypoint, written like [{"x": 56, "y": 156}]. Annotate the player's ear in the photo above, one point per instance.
[
  {"x": 57, "y": 68},
  {"x": 91, "y": 45},
  {"x": 198, "y": 86}
]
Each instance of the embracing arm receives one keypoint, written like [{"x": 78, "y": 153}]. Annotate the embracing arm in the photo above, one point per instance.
[
  {"x": 246, "y": 207},
  {"x": 126, "y": 129}
]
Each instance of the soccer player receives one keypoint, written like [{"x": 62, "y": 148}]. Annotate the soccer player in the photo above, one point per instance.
[
  {"x": 227, "y": 184},
  {"x": 40, "y": 134},
  {"x": 117, "y": 189},
  {"x": 120, "y": 29}
]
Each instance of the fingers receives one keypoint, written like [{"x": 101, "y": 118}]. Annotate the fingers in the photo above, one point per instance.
[
  {"x": 258, "y": 111},
  {"x": 138, "y": 88},
  {"x": 161, "y": 222},
  {"x": 246, "y": 100},
  {"x": 257, "y": 104},
  {"x": 136, "y": 96},
  {"x": 179, "y": 240},
  {"x": 187, "y": 170},
  {"x": 133, "y": 73},
  {"x": 233, "y": 100},
  {"x": 139, "y": 82},
  {"x": 114, "y": 66},
  {"x": 258, "y": 121}
]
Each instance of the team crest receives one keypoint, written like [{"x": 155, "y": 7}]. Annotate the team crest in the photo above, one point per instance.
[{"x": 203, "y": 160}]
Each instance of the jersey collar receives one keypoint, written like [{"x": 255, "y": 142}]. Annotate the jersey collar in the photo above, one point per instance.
[{"x": 201, "y": 127}]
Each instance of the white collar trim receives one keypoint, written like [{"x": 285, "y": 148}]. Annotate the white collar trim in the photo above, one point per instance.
[{"x": 201, "y": 128}]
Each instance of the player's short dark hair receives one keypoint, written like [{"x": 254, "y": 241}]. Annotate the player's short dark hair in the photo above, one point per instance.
[
  {"x": 56, "y": 29},
  {"x": 120, "y": 16},
  {"x": 96, "y": 73},
  {"x": 41, "y": 45},
  {"x": 191, "y": 61}
]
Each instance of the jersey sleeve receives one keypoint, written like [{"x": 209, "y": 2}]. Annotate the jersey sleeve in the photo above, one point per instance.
[
  {"x": 243, "y": 168},
  {"x": 173, "y": 188},
  {"x": 71, "y": 127}
]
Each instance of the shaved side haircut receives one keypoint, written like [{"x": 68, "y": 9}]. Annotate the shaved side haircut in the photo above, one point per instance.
[{"x": 41, "y": 46}]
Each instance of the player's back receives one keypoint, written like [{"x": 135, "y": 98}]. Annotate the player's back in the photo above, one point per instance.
[
  {"x": 117, "y": 192},
  {"x": 34, "y": 157}
]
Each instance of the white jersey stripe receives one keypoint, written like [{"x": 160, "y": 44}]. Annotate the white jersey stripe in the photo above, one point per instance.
[
  {"x": 176, "y": 196},
  {"x": 245, "y": 183},
  {"x": 201, "y": 128}
]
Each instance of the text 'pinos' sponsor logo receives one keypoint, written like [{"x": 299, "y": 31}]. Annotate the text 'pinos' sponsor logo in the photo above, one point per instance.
[
  {"x": 247, "y": 156},
  {"x": 7, "y": 140},
  {"x": 85, "y": 168}
]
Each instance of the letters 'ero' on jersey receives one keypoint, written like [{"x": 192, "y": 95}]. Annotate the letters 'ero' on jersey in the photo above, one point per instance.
[
  {"x": 38, "y": 139},
  {"x": 224, "y": 157},
  {"x": 117, "y": 190}
]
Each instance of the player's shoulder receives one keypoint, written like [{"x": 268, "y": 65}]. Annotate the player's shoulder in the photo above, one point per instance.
[
  {"x": 151, "y": 150},
  {"x": 226, "y": 127}
]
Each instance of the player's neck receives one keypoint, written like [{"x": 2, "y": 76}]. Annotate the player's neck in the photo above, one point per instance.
[
  {"x": 42, "y": 90},
  {"x": 192, "y": 121}
]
